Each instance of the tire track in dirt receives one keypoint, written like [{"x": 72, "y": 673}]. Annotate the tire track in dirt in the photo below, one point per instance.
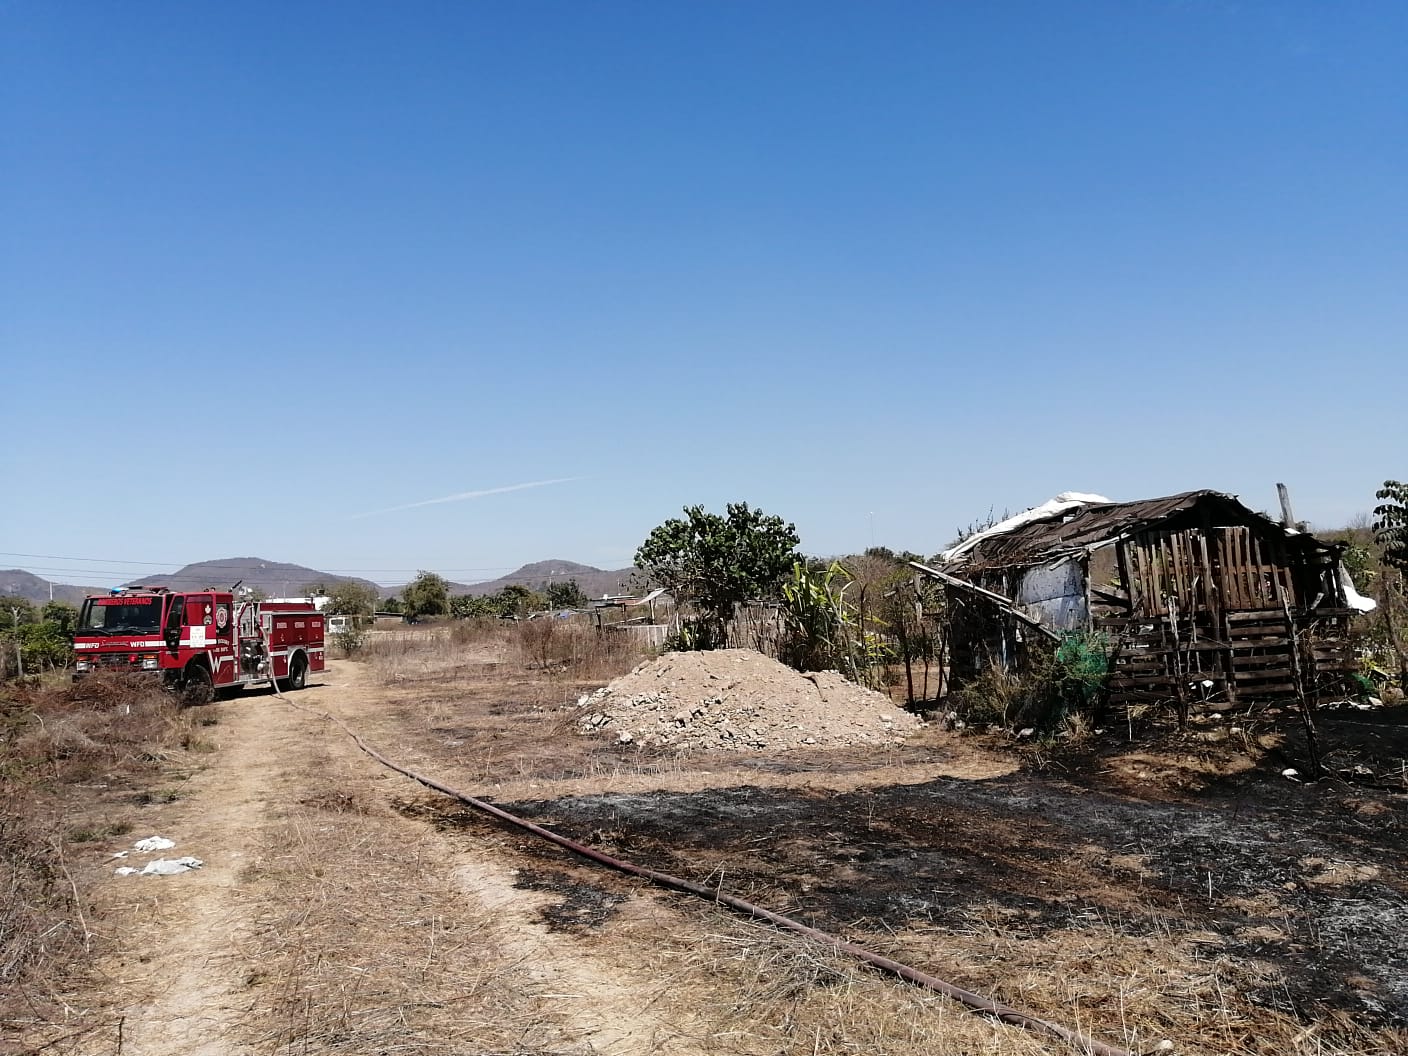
[
  {"x": 598, "y": 1006},
  {"x": 611, "y": 1010}
]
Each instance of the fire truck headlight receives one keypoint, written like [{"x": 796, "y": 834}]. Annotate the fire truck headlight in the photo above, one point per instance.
[
  {"x": 83, "y": 665},
  {"x": 149, "y": 663}
]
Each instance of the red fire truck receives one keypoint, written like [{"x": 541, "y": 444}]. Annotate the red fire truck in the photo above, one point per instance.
[{"x": 200, "y": 640}]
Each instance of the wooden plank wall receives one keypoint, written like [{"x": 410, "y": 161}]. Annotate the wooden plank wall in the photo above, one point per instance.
[
  {"x": 1254, "y": 572},
  {"x": 1156, "y": 660},
  {"x": 1229, "y": 569},
  {"x": 1210, "y": 606}
]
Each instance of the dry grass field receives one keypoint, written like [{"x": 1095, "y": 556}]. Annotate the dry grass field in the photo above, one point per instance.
[{"x": 1172, "y": 890}]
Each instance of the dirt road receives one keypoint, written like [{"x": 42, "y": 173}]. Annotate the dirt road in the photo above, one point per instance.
[{"x": 324, "y": 919}]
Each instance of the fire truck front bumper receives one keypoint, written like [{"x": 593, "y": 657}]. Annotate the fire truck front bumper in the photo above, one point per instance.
[{"x": 87, "y": 665}]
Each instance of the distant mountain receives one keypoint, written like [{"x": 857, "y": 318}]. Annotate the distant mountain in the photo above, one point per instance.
[
  {"x": 18, "y": 583},
  {"x": 278, "y": 579},
  {"x": 594, "y": 581}
]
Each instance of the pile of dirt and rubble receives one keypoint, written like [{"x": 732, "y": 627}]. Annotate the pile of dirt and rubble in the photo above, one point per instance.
[{"x": 738, "y": 699}]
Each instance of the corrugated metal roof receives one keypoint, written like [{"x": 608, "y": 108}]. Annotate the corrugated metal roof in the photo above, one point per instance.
[{"x": 1100, "y": 522}]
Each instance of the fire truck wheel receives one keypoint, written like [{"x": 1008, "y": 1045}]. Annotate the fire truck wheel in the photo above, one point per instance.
[
  {"x": 298, "y": 673},
  {"x": 197, "y": 687}
]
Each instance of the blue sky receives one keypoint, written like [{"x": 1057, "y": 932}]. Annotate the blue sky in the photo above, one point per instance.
[{"x": 274, "y": 276}]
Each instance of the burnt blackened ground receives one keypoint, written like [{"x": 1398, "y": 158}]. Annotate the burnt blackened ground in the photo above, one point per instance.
[
  {"x": 1306, "y": 880},
  {"x": 581, "y": 905}
]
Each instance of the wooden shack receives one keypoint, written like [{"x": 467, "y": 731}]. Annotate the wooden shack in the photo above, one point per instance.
[{"x": 1200, "y": 597}]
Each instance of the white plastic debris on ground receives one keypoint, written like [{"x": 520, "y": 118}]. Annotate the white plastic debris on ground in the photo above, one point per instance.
[
  {"x": 158, "y": 866},
  {"x": 1049, "y": 510},
  {"x": 171, "y": 866},
  {"x": 1352, "y": 597},
  {"x": 163, "y": 867}
]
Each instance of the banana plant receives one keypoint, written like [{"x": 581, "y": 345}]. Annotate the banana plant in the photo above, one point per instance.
[{"x": 824, "y": 629}]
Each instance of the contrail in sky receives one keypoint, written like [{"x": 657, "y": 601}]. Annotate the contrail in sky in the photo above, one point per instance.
[{"x": 463, "y": 495}]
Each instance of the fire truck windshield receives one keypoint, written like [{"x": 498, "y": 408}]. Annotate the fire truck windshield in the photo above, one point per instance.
[{"x": 120, "y": 615}]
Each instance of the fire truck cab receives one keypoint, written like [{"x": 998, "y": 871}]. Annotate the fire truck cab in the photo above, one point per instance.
[{"x": 200, "y": 641}]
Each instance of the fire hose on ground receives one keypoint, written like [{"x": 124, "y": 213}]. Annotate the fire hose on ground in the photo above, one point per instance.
[{"x": 978, "y": 1003}]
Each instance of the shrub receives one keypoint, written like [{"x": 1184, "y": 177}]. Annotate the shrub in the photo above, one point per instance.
[
  {"x": 1063, "y": 684},
  {"x": 350, "y": 641},
  {"x": 553, "y": 646},
  {"x": 991, "y": 699}
]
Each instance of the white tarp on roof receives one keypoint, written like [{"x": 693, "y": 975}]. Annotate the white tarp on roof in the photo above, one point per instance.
[{"x": 1047, "y": 511}]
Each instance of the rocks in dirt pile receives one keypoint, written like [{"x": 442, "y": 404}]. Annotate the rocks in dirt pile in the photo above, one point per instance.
[{"x": 740, "y": 700}]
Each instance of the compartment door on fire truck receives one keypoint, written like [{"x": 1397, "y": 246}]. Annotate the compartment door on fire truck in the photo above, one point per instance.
[
  {"x": 225, "y": 620},
  {"x": 200, "y": 617}
]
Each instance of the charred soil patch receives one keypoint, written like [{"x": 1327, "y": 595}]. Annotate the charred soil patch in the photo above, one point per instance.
[{"x": 1299, "y": 887}]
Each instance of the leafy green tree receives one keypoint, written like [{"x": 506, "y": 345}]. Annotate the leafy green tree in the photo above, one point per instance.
[
  {"x": 390, "y": 604},
  {"x": 426, "y": 595},
  {"x": 1391, "y": 533},
  {"x": 715, "y": 562},
  {"x": 1391, "y": 522},
  {"x": 566, "y": 596},
  {"x": 350, "y": 598},
  {"x": 38, "y": 642},
  {"x": 44, "y": 645},
  {"x": 474, "y": 606},
  {"x": 15, "y": 610},
  {"x": 518, "y": 600},
  {"x": 61, "y": 614}
]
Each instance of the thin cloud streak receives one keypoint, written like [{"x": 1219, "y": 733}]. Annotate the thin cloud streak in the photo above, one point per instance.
[{"x": 464, "y": 495}]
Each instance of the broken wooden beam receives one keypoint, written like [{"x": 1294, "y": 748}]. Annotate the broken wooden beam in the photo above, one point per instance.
[{"x": 1005, "y": 604}]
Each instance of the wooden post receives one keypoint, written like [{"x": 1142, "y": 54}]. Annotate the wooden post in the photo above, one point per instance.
[
  {"x": 1312, "y": 741},
  {"x": 1288, "y": 519},
  {"x": 1180, "y": 676}
]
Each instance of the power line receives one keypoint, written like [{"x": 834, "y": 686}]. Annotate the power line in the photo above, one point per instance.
[
  {"x": 98, "y": 560},
  {"x": 80, "y": 571}
]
